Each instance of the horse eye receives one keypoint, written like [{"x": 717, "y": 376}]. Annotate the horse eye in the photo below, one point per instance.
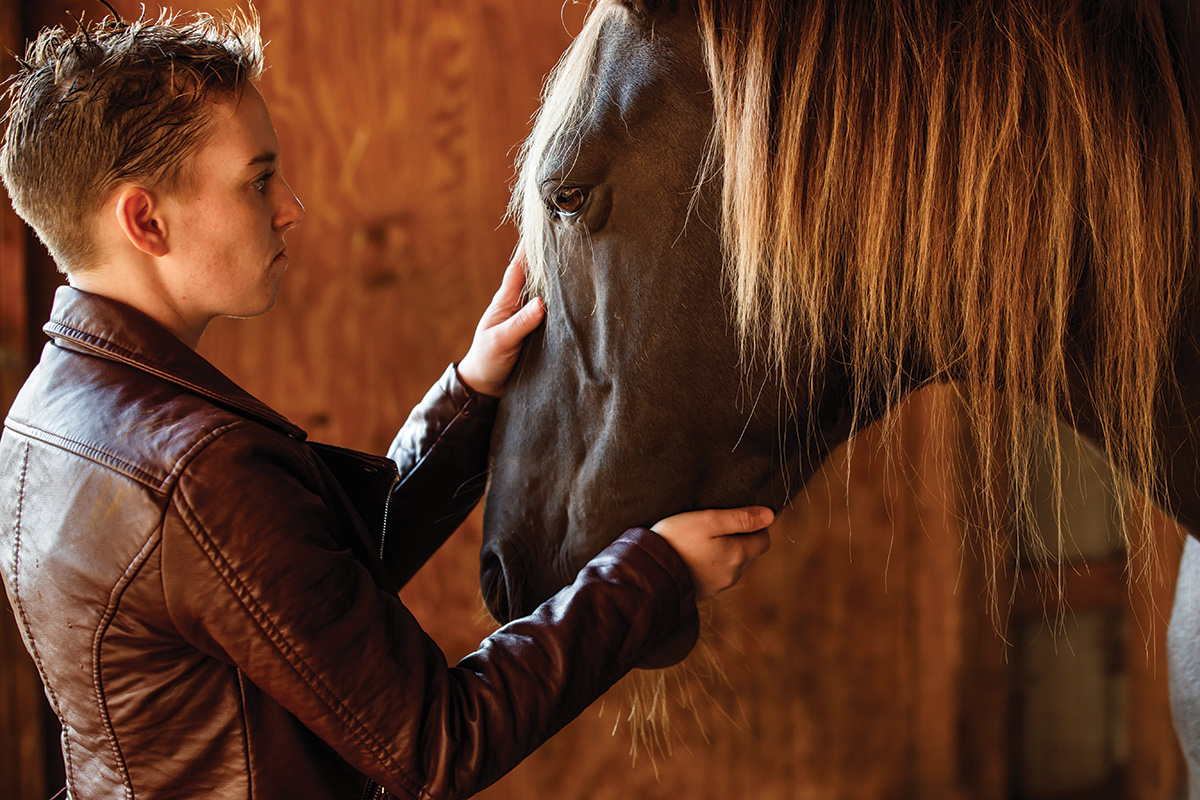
[{"x": 568, "y": 201}]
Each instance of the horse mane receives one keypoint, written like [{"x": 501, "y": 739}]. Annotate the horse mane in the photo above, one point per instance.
[{"x": 978, "y": 191}]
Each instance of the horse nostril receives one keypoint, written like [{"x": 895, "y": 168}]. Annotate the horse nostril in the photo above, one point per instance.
[{"x": 494, "y": 586}]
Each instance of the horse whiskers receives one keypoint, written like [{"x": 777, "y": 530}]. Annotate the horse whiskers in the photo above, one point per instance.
[{"x": 651, "y": 702}]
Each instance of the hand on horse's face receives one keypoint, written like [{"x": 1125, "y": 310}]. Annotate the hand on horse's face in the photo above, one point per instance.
[
  {"x": 501, "y": 332},
  {"x": 717, "y": 545}
]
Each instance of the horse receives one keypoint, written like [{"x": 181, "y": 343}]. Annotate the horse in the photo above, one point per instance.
[{"x": 758, "y": 226}]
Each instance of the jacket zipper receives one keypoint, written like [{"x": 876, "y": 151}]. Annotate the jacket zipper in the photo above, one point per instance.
[
  {"x": 387, "y": 504},
  {"x": 373, "y": 791}
]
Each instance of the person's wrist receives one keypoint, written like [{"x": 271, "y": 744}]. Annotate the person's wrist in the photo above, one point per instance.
[{"x": 473, "y": 379}]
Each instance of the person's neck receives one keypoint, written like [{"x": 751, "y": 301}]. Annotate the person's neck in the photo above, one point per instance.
[{"x": 142, "y": 291}]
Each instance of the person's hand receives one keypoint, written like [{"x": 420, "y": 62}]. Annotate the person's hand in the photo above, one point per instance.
[
  {"x": 500, "y": 332},
  {"x": 718, "y": 546}
]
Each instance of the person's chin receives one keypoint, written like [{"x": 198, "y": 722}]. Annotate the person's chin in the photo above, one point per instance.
[
  {"x": 272, "y": 299},
  {"x": 274, "y": 279}
]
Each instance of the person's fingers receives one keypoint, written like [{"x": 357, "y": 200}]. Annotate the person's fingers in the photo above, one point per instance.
[
  {"x": 717, "y": 522},
  {"x": 752, "y": 518},
  {"x": 718, "y": 545},
  {"x": 506, "y": 302},
  {"x": 749, "y": 547},
  {"x": 728, "y": 521},
  {"x": 528, "y": 318},
  {"x": 508, "y": 296},
  {"x": 511, "y": 332}
]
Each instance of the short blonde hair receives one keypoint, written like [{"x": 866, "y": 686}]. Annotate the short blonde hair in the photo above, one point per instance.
[{"x": 112, "y": 103}]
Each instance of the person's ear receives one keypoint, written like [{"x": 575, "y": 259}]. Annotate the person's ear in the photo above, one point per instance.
[{"x": 139, "y": 214}]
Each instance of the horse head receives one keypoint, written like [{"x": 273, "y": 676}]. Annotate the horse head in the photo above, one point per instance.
[{"x": 611, "y": 420}]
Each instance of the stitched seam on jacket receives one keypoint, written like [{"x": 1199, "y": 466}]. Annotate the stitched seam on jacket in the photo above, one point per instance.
[
  {"x": 101, "y": 344},
  {"x": 107, "y": 349},
  {"x": 306, "y": 673},
  {"x": 442, "y": 429},
  {"x": 20, "y": 609},
  {"x": 199, "y": 445},
  {"x": 110, "y": 612},
  {"x": 463, "y": 488},
  {"x": 90, "y": 452}
]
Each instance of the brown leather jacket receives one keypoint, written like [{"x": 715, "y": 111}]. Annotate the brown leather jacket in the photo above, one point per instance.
[{"x": 209, "y": 612}]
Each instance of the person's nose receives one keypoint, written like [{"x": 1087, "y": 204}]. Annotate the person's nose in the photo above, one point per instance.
[{"x": 291, "y": 212}]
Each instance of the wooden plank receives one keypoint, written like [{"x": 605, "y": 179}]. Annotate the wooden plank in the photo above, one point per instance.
[{"x": 22, "y": 752}]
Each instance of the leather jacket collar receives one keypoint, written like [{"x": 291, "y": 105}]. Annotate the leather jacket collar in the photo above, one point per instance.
[{"x": 99, "y": 326}]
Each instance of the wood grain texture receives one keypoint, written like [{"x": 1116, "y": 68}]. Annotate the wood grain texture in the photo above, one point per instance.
[
  {"x": 22, "y": 751},
  {"x": 858, "y": 656},
  {"x": 13, "y": 305}
]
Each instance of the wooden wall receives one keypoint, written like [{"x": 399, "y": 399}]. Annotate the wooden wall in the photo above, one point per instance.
[
  {"x": 859, "y": 660},
  {"x": 22, "y": 739}
]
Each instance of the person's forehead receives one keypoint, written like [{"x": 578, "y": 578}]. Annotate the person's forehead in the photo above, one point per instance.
[{"x": 241, "y": 129}]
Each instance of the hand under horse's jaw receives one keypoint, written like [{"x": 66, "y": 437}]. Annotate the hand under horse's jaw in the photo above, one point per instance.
[{"x": 506, "y": 604}]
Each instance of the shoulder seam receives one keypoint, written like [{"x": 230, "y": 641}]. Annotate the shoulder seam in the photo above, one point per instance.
[
  {"x": 100, "y": 457},
  {"x": 90, "y": 452},
  {"x": 199, "y": 446}
]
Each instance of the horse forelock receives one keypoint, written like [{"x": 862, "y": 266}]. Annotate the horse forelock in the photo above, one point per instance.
[{"x": 567, "y": 98}]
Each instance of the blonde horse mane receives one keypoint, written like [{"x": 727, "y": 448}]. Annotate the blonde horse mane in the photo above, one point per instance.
[
  {"x": 976, "y": 188},
  {"x": 965, "y": 185}
]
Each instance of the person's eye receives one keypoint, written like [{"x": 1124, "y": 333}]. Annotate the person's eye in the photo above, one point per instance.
[
  {"x": 260, "y": 183},
  {"x": 568, "y": 201}
]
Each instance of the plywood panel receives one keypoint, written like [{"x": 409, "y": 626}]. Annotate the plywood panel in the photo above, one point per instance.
[{"x": 22, "y": 753}]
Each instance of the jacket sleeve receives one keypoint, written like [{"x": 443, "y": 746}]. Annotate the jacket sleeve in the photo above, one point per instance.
[
  {"x": 441, "y": 453},
  {"x": 254, "y": 576}
]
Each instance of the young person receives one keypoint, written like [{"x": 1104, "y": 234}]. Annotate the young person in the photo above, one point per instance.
[{"x": 210, "y": 599}]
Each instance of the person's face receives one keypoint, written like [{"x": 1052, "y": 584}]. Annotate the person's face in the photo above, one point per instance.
[{"x": 229, "y": 217}]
